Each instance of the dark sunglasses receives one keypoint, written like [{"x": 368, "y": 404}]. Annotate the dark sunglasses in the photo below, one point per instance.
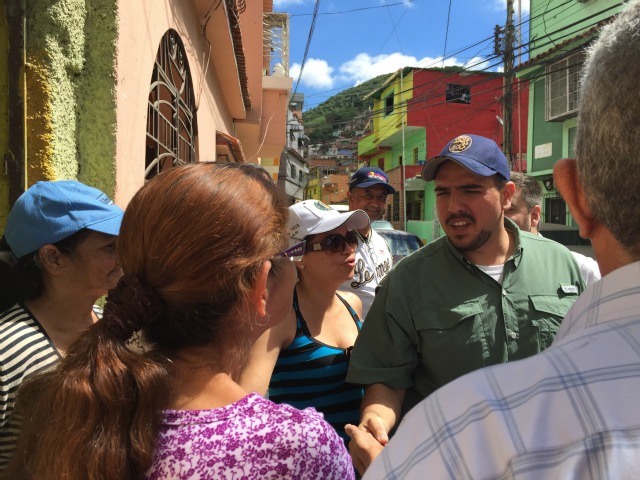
[{"x": 335, "y": 243}]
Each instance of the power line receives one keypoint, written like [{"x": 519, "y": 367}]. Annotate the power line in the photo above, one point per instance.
[
  {"x": 526, "y": 44},
  {"x": 464, "y": 48},
  {"x": 351, "y": 11},
  {"x": 446, "y": 34},
  {"x": 306, "y": 48}
]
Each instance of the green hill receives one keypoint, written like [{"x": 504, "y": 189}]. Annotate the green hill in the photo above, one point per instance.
[{"x": 342, "y": 108}]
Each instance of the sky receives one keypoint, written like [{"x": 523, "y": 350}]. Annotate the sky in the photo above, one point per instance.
[{"x": 355, "y": 40}]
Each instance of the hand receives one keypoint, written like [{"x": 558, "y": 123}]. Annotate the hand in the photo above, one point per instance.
[
  {"x": 375, "y": 426},
  {"x": 363, "y": 447}
]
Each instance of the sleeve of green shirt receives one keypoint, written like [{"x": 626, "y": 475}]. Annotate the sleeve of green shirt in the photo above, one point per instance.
[{"x": 384, "y": 351}]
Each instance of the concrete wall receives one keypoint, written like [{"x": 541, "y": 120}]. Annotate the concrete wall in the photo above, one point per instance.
[
  {"x": 70, "y": 104},
  {"x": 142, "y": 26}
]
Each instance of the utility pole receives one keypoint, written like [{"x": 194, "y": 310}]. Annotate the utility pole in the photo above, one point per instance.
[{"x": 508, "y": 57}]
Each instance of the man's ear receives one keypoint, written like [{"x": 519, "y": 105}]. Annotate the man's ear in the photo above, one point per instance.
[
  {"x": 565, "y": 177},
  {"x": 534, "y": 215},
  {"x": 507, "y": 193}
]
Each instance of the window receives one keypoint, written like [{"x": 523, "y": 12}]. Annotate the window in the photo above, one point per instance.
[
  {"x": 415, "y": 156},
  {"x": 381, "y": 163},
  {"x": 292, "y": 168},
  {"x": 555, "y": 210},
  {"x": 399, "y": 159},
  {"x": 562, "y": 87},
  {"x": 388, "y": 105},
  {"x": 300, "y": 176},
  {"x": 458, "y": 93},
  {"x": 171, "y": 111}
]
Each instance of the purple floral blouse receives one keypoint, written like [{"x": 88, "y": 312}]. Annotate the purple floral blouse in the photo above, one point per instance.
[{"x": 250, "y": 439}]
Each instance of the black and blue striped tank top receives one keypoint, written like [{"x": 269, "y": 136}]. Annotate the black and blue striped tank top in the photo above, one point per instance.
[{"x": 309, "y": 373}]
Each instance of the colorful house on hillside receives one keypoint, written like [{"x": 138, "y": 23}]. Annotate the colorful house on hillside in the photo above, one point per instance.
[
  {"x": 113, "y": 92},
  {"x": 558, "y": 37},
  {"x": 415, "y": 113}
]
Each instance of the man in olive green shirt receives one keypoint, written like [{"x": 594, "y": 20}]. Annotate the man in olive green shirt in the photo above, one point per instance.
[{"x": 486, "y": 293}]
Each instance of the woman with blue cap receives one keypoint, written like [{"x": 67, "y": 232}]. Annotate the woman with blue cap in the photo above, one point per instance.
[{"x": 58, "y": 256}]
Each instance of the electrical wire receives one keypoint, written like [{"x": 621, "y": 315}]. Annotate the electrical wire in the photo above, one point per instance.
[
  {"x": 306, "y": 48},
  {"x": 350, "y": 11},
  {"x": 446, "y": 34},
  {"x": 539, "y": 45}
]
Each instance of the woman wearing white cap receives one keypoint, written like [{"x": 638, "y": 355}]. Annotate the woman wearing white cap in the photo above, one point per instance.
[
  {"x": 303, "y": 361},
  {"x": 58, "y": 256}
]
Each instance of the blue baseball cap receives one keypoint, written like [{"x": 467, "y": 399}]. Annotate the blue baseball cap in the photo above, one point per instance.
[
  {"x": 369, "y": 176},
  {"x": 480, "y": 155},
  {"x": 52, "y": 211}
]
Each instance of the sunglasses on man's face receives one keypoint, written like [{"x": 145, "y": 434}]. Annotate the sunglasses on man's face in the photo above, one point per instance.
[{"x": 335, "y": 243}]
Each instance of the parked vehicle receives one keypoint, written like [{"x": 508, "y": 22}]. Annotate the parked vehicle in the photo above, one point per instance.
[{"x": 400, "y": 243}]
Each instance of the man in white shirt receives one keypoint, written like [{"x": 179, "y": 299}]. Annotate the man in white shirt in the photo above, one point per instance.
[
  {"x": 525, "y": 212},
  {"x": 570, "y": 411},
  {"x": 368, "y": 190}
]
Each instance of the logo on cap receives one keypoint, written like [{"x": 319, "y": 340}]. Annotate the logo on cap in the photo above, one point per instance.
[
  {"x": 460, "y": 144},
  {"x": 377, "y": 176},
  {"x": 321, "y": 206}
]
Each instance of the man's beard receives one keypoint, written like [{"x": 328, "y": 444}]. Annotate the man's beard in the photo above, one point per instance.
[
  {"x": 479, "y": 240},
  {"x": 475, "y": 243}
]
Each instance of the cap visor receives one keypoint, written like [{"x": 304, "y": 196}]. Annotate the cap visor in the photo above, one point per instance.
[
  {"x": 388, "y": 187},
  {"x": 352, "y": 220},
  {"x": 110, "y": 226}
]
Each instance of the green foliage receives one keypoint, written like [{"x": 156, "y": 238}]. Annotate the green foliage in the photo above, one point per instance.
[{"x": 337, "y": 111}]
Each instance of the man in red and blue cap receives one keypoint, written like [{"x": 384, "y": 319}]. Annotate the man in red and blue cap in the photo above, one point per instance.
[
  {"x": 485, "y": 293},
  {"x": 368, "y": 190}
]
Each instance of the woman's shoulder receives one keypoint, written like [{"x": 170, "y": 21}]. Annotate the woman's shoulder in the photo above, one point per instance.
[{"x": 353, "y": 300}]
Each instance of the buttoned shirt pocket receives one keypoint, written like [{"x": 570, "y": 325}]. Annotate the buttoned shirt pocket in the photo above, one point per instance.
[
  {"x": 547, "y": 314},
  {"x": 451, "y": 340}
]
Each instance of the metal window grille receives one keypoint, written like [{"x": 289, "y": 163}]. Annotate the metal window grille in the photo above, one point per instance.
[
  {"x": 458, "y": 93},
  {"x": 562, "y": 87},
  {"x": 171, "y": 113},
  {"x": 275, "y": 43}
]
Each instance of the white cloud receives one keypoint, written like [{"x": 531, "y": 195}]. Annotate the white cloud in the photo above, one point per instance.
[
  {"x": 316, "y": 74},
  {"x": 501, "y": 5},
  {"x": 363, "y": 67}
]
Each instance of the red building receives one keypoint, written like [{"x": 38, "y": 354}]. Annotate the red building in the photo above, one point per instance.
[{"x": 450, "y": 103}]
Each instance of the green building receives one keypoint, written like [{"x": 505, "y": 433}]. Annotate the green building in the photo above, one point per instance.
[{"x": 560, "y": 31}]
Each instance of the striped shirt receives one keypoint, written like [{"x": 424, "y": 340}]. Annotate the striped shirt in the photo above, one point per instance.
[
  {"x": 309, "y": 373},
  {"x": 570, "y": 412},
  {"x": 25, "y": 350}
]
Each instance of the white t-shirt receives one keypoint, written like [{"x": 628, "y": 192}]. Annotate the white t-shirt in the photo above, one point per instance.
[
  {"x": 588, "y": 267},
  {"x": 373, "y": 261}
]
